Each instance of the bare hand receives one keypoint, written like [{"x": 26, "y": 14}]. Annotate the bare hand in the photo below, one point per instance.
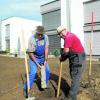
[{"x": 45, "y": 63}]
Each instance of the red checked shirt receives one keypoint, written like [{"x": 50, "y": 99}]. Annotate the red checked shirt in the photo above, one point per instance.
[{"x": 72, "y": 42}]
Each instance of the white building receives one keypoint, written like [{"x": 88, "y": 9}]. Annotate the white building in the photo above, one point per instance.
[
  {"x": 92, "y": 6},
  {"x": 13, "y": 30},
  {"x": 62, "y": 12}
]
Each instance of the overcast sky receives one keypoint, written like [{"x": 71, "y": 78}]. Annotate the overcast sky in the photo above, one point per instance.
[{"x": 22, "y": 8}]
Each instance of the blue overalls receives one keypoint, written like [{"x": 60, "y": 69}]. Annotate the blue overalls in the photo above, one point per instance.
[{"x": 40, "y": 56}]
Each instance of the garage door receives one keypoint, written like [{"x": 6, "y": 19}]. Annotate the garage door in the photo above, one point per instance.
[{"x": 54, "y": 42}]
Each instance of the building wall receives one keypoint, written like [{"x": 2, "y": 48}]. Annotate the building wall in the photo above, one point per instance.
[
  {"x": 50, "y": 26},
  {"x": 63, "y": 12},
  {"x": 54, "y": 20},
  {"x": 51, "y": 19},
  {"x": 0, "y": 34},
  {"x": 89, "y": 7},
  {"x": 77, "y": 19},
  {"x": 18, "y": 28}
]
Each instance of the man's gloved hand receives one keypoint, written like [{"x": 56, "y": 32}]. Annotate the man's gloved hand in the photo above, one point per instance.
[
  {"x": 62, "y": 59},
  {"x": 64, "y": 56}
]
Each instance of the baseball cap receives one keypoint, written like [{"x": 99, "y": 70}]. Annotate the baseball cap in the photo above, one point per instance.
[
  {"x": 40, "y": 30},
  {"x": 60, "y": 29}
]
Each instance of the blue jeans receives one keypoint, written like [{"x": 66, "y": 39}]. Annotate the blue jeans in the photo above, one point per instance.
[
  {"x": 77, "y": 65},
  {"x": 33, "y": 70}
]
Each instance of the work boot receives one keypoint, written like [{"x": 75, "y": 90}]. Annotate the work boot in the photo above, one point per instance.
[
  {"x": 25, "y": 93},
  {"x": 67, "y": 98}
]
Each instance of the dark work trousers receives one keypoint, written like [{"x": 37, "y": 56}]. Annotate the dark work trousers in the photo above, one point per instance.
[{"x": 76, "y": 65}]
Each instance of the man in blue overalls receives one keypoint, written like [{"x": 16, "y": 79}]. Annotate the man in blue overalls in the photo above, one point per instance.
[{"x": 38, "y": 54}]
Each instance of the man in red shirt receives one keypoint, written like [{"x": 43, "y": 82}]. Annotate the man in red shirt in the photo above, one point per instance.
[{"x": 74, "y": 51}]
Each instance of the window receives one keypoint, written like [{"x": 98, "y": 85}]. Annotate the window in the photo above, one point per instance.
[{"x": 7, "y": 37}]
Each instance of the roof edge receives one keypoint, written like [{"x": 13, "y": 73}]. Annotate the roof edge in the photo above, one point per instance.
[
  {"x": 49, "y": 3},
  {"x": 90, "y": 1}
]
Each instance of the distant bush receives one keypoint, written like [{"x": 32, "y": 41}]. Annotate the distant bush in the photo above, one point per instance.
[
  {"x": 56, "y": 52},
  {"x": 3, "y": 52},
  {"x": 7, "y": 51}
]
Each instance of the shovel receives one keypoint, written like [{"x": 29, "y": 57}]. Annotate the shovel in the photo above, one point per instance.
[
  {"x": 59, "y": 82},
  {"x": 27, "y": 74},
  {"x": 28, "y": 82}
]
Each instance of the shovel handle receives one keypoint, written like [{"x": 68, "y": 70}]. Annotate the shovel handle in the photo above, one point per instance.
[
  {"x": 26, "y": 66},
  {"x": 59, "y": 82}
]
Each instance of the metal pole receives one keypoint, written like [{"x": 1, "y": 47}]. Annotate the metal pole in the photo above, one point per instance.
[{"x": 91, "y": 46}]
